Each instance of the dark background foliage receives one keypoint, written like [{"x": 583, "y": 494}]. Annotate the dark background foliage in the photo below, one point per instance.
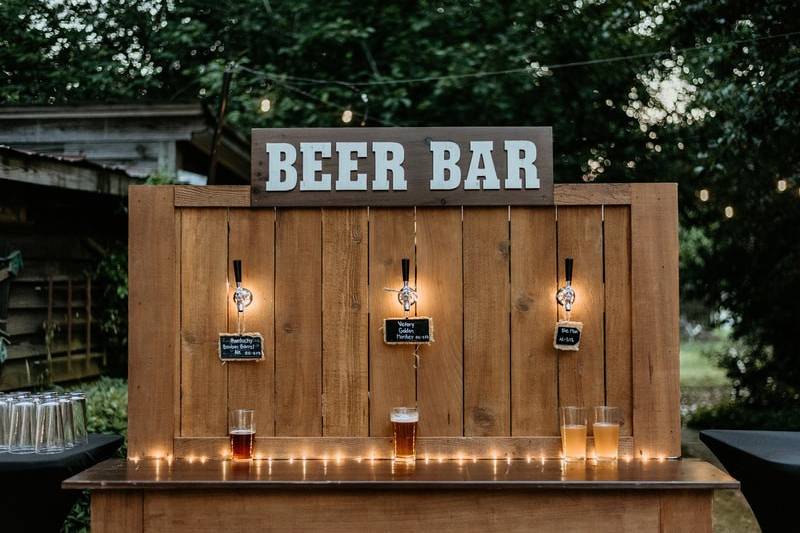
[{"x": 734, "y": 64}]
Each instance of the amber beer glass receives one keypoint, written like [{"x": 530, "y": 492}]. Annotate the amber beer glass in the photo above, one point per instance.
[
  {"x": 404, "y": 431},
  {"x": 573, "y": 433},
  {"x": 242, "y": 430},
  {"x": 606, "y": 432}
]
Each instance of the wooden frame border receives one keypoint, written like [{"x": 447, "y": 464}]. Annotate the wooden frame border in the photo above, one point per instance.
[{"x": 154, "y": 387}]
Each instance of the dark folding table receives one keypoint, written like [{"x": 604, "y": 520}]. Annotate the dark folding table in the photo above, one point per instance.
[
  {"x": 767, "y": 464},
  {"x": 31, "y": 498}
]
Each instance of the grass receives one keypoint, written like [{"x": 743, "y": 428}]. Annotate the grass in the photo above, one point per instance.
[{"x": 698, "y": 367}]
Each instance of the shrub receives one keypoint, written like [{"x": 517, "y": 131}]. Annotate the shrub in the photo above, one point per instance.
[{"x": 107, "y": 412}]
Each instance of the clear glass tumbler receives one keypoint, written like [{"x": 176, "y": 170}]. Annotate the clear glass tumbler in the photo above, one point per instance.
[
  {"x": 22, "y": 429},
  {"x": 5, "y": 422},
  {"x": 606, "y": 432},
  {"x": 573, "y": 433},
  {"x": 49, "y": 427},
  {"x": 242, "y": 431},
  {"x": 65, "y": 404},
  {"x": 78, "y": 400},
  {"x": 404, "y": 432}
]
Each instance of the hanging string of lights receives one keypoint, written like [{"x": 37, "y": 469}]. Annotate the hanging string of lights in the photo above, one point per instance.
[{"x": 290, "y": 83}]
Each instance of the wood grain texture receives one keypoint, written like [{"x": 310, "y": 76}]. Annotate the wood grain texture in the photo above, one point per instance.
[
  {"x": 534, "y": 361},
  {"x": 592, "y": 194},
  {"x": 251, "y": 384},
  {"x": 617, "y": 261},
  {"x": 440, "y": 383},
  {"x": 348, "y": 472},
  {"x": 655, "y": 336},
  {"x": 686, "y": 511},
  {"x": 117, "y": 512},
  {"x": 204, "y": 315},
  {"x": 417, "y": 166},
  {"x": 487, "y": 380},
  {"x": 392, "y": 373},
  {"x": 298, "y": 322},
  {"x": 445, "y": 511},
  {"x": 581, "y": 373},
  {"x": 381, "y": 447},
  {"x": 212, "y": 196},
  {"x": 154, "y": 314},
  {"x": 345, "y": 323}
]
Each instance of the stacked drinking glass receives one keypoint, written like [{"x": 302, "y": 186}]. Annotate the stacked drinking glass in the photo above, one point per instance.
[{"x": 49, "y": 422}]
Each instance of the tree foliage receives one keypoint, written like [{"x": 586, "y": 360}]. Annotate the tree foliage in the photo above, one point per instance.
[{"x": 702, "y": 92}]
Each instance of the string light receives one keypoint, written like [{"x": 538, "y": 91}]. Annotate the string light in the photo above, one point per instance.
[
  {"x": 704, "y": 195},
  {"x": 266, "y": 105},
  {"x": 782, "y": 185},
  {"x": 728, "y": 211},
  {"x": 347, "y": 116}
]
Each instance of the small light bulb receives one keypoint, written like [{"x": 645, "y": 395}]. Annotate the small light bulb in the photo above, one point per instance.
[
  {"x": 782, "y": 185},
  {"x": 728, "y": 211},
  {"x": 266, "y": 105},
  {"x": 347, "y": 116},
  {"x": 704, "y": 195}
]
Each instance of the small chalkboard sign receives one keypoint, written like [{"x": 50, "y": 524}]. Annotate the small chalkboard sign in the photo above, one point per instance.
[
  {"x": 568, "y": 335},
  {"x": 412, "y": 330},
  {"x": 244, "y": 347}
]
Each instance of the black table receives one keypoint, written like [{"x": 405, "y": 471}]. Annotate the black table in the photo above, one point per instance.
[
  {"x": 31, "y": 498},
  {"x": 767, "y": 464}
]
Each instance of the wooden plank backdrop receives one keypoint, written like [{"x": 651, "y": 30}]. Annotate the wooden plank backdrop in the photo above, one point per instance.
[{"x": 487, "y": 276}]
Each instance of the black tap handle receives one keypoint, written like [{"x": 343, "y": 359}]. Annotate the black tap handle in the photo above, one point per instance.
[
  {"x": 568, "y": 269},
  {"x": 237, "y": 270},
  {"x": 406, "y": 266}
]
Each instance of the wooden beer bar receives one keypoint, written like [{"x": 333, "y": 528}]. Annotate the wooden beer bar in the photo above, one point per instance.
[{"x": 488, "y": 389}]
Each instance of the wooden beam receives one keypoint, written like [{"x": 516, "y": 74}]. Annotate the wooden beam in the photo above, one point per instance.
[
  {"x": 212, "y": 196},
  {"x": 592, "y": 193}
]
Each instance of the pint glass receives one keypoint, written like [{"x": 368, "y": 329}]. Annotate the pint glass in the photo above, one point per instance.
[
  {"x": 242, "y": 430},
  {"x": 573, "y": 433},
  {"x": 404, "y": 431},
  {"x": 606, "y": 432}
]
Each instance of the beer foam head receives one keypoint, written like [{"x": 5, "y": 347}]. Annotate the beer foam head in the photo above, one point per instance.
[{"x": 405, "y": 415}]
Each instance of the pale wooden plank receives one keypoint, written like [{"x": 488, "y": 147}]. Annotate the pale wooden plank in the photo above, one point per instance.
[
  {"x": 212, "y": 196},
  {"x": 117, "y": 511},
  {"x": 204, "y": 315},
  {"x": 392, "y": 373},
  {"x": 439, "y": 282},
  {"x": 402, "y": 511},
  {"x": 381, "y": 447},
  {"x": 298, "y": 322},
  {"x": 617, "y": 260},
  {"x": 487, "y": 380},
  {"x": 581, "y": 373},
  {"x": 345, "y": 323},
  {"x": 655, "y": 341},
  {"x": 592, "y": 194},
  {"x": 534, "y": 361},
  {"x": 251, "y": 384},
  {"x": 683, "y": 510},
  {"x": 153, "y": 310}
]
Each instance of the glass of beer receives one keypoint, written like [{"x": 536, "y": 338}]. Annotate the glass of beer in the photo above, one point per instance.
[
  {"x": 242, "y": 430},
  {"x": 573, "y": 433},
  {"x": 404, "y": 431},
  {"x": 606, "y": 432}
]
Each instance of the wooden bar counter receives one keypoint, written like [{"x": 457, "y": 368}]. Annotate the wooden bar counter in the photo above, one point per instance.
[{"x": 379, "y": 495}]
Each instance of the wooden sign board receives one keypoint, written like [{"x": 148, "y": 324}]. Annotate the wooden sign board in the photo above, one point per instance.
[
  {"x": 402, "y": 166},
  {"x": 413, "y": 330},
  {"x": 568, "y": 336},
  {"x": 244, "y": 347}
]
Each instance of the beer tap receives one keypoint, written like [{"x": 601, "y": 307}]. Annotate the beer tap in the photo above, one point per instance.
[
  {"x": 566, "y": 294},
  {"x": 241, "y": 296},
  {"x": 405, "y": 295}
]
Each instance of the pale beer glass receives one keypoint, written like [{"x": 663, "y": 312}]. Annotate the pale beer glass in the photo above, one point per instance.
[
  {"x": 242, "y": 431},
  {"x": 404, "y": 432},
  {"x": 573, "y": 433},
  {"x": 606, "y": 432}
]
